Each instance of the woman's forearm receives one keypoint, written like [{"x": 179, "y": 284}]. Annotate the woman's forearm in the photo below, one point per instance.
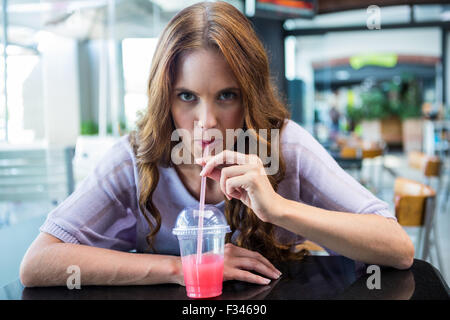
[
  {"x": 364, "y": 237},
  {"x": 97, "y": 266}
]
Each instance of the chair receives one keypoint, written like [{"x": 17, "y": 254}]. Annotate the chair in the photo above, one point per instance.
[
  {"x": 415, "y": 207},
  {"x": 430, "y": 166},
  {"x": 349, "y": 152},
  {"x": 364, "y": 150},
  {"x": 372, "y": 151},
  {"x": 349, "y": 159}
]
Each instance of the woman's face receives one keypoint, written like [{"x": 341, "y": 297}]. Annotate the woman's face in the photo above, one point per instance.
[{"x": 205, "y": 95}]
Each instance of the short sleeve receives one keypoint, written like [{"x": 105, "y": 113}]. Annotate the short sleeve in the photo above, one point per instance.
[
  {"x": 101, "y": 212},
  {"x": 326, "y": 185}
]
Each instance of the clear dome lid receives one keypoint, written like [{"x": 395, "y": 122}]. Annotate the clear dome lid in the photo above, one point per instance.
[{"x": 213, "y": 221}]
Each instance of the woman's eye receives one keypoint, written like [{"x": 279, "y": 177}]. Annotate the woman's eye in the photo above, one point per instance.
[
  {"x": 227, "y": 96},
  {"x": 186, "y": 96}
]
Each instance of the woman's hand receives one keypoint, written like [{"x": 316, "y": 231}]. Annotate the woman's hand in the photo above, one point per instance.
[
  {"x": 245, "y": 179},
  {"x": 238, "y": 262}
]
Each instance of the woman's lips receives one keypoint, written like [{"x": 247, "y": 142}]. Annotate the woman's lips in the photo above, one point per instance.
[{"x": 207, "y": 142}]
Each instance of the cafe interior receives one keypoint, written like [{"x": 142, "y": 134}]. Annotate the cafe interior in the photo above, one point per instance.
[{"x": 371, "y": 82}]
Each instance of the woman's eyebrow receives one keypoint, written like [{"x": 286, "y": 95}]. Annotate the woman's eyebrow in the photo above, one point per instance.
[
  {"x": 229, "y": 89},
  {"x": 181, "y": 89},
  {"x": 184, "y": 89}
]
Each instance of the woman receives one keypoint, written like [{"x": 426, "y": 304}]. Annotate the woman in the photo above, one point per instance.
[{"x": 210, "y": 71}]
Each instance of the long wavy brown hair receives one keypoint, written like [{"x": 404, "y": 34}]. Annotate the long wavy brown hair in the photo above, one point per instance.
[{"x": 219, "y": 26}]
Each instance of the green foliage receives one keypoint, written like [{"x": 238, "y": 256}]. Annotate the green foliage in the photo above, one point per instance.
[
  {"x": 89, "y": 128},
  {"x": 392, "y": 89},
  {"x": 374, "y": 104},
  {"x": 411, "y": 102},
  {"x": 122, "y": 126},
  {"x": 354, "y": 113},
  {"x": 400, "y": 97}
]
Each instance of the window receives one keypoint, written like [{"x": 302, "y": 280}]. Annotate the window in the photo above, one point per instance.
[
  {"x": 137, "y": 54},
  {"x": 25, "y": 112}
]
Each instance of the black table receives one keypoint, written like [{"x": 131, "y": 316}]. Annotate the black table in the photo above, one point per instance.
[{"x": 316, "y": 277}]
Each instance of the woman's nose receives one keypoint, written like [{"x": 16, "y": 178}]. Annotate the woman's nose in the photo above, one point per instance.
[{"x": 207, "y": 118}]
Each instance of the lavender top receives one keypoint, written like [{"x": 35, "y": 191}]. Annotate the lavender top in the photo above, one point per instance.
[{"x": 103, "y": 211}]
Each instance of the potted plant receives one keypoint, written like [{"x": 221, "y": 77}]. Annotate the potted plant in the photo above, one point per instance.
[
  {"x": 354, "y": 115},
  {"x": 373, "y": 110},
  {"x": 411, "y": 114},
  {"x": 391, "y": 125}
]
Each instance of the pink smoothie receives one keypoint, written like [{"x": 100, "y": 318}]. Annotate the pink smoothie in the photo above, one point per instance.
[{"x": 203, "y": 280}]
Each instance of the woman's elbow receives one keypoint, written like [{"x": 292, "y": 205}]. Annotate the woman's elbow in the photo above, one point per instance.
[
  {"x": 406, "y": 257},
  {"x": 29, "y": 271},
  {"x": 34, "y": 270},
  {"x": 26, "y": 274}
]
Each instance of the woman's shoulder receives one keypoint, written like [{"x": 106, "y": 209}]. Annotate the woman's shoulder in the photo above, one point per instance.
[
  {"x": 118, "y": 159},
  {"x": 294, "y": 134},
  {"x": 119, "y": 151},
  {"x": 301, "y": 148},
  {"x": 297, "y": 142}
]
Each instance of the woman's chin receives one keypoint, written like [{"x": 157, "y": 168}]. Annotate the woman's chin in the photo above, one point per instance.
[{"x": 200, "y": 153}]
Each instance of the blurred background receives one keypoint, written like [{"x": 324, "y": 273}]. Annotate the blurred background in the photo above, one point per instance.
[{"x": 370, "y": 82}]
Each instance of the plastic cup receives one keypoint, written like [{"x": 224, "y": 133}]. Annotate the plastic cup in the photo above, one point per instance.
[{"x": 203, "y": 277}]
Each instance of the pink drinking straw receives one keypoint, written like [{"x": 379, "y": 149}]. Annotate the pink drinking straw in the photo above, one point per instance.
[{"x": 201, "y": 214}]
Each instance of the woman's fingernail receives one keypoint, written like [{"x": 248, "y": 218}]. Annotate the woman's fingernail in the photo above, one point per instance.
[
  {"x": 266, "y": 281},
  {"x": 202, "y": 173}
]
